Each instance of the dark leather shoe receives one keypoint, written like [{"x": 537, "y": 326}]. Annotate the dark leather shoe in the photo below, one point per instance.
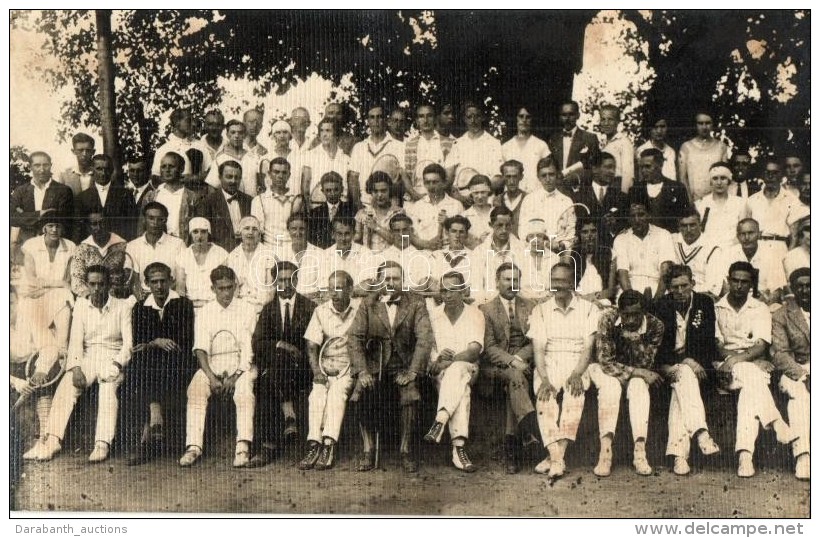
[
  {"x": 327, "y": 458},
  {"x": 291, "y": 431},
  {"x": 262, "y": 458},
  {"x": 409, "y": 463},
  {"x": 143, "y": 454},
  {"x": 462, "y": 460},
  {"x": 367, "y": 462},
  {"x": 434, "y": 435},
  {"x": 312, "y": 456}
]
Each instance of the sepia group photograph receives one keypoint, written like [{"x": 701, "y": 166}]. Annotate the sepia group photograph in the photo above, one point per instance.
[{"x": 437, "y": 263}]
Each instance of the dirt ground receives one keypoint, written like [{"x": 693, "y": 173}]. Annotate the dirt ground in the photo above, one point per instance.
[{"x": 69, "y": 483}]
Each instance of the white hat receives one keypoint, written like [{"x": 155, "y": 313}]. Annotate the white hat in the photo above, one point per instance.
[
  {"x": 535, "y": 226},
  {"x": 281, "y": 125},
  {"x": 199, "y": 223}
]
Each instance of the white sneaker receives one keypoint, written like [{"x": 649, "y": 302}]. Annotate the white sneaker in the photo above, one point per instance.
[
  {"x": 557, "y": 469},
  {"x": 100, "y": 452},
  {"x": 242, "y": 457},
  {"x": 190, "y": 457},
  {"x": 707, "y": 445},
  {"x": 543, "y": 466},
  {"x": 640, "y": 463},
  {"x": 802, "y": 467},
  {"x": 784, "y": 433},
  {"x": 681, "y": 467},
  {"x": 51, "y": 445},
  {"x": 745, "y": 466},
  {"x": 34, "y": 452},
  {"x": 604, "y": 467}
]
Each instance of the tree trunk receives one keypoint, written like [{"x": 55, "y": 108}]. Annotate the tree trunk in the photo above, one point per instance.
[{"x": 105, "y": 75}]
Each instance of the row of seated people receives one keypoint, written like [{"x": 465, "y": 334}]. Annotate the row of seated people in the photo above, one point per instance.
[{"x": 139, "y": 351}]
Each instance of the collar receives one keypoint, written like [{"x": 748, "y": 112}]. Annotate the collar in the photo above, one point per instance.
[
  {"x": 152, "y": 303},
  {"x": 508, "y": 199},
  {"x": 102, "y": 188},
  {"x": 113, "y": 239},
  {"x": 570, "y": 306},
  {"x": 160, "y": 240},
  {"x": 336, "y": 205},
  {"x": 172, "y": 137},
  {"x": 290, "y": 301},
  {"x": 45, "y": 187},
  {"x": 571, "y": 133},
  {"x": 350, "y": 306},
  {"x": 641, "y": 329},
  {"x": 62, "y": 245},
  {"x": 105, "y": 308},
  {"x": 388, "y": 138},
  {"x": 229, "y": 196},
  {"x": 228, "y": 150},
  {"x": 724, "y": 303},
  {"x": 281, "y": 197}
]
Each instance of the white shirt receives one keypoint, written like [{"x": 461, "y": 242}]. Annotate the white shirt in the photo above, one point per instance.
[
  {"x": 739, "y": 330},
  {"x": 177, "y": 145},
  {"x": 249, "y": 162},
  {"x": 364, "y": 154},
  {"x": 566, "y": 144},
  {"x": 669, "y": 158},
  {"x": 198, "y": 277},
  {"x": 529, "y": 153},
  {"x": 721, "y": 223},
  {"x": 704, "y": 259},
  {"x": 328, "y": 323},
  {"x": 239, "y": 318},
  {"x": 359, "y": 264},
  {"x": 273, "y": 210},
  {"x": 102, "y": 191},
  {"x": 643, "y": 257},
  {"x": 320, "y": 162},
  {"x": 254, "y": 279},
  {"x": 620, "y": 147},
  {"x": 558, "y": 330},
  {"x": 138, "y": 191},
  {"x": 151, "y": 302},
  {"x": 40, "y": 194},
  {"x": 172, "y": 200},
  {"x": 208, "y": 151},
  {"x": 425, "y": 215},
  {"x": 467, "y": 329},
  {"x": 482, "y": 154},
  {"x": 100, "y": 333},
  {"x": 694, "y": 160},
  {"x": 166, "y": 250},
  {"x": 773, "y": 214},
  {"x": 555, "y": 209},
  {"x": 796, "y": 258},
  {"x": 44, "y": 268},
  {"x": 767, "y": 260}
]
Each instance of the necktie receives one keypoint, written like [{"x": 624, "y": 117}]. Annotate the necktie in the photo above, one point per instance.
[
  {"x": 332, "y": 211},
  {"x": 739, "y": 190},
  {"x": 233, "y": 210},
  {"x": 511, "y": 311},
  {"x": 286, "y": 330}
]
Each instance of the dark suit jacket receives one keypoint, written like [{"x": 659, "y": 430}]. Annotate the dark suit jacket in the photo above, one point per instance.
[
  {"x": 669, "y": 206},
  {"x": 177, "y": 323},
  {"x": 120, "y": 211},
  {"x": 405, "y": 345},
  {"x": 319, "y": 231},
  {"x": 23, "y": 215},
  {"x": 269, "y": 329},
  {"x": 584, "y": 146},
  {"x": 700, "y": 331},
  {"x": 497, "y": 349},
  {"x": 791, "y": 339},
  {"x": 214, "y": 207}
]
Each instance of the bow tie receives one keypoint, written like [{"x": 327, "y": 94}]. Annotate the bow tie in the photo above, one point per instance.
[
  {"x": 231, "y": 199},
  {"x": 392, "y": 301},
  {"x": 567, "y": 134}
]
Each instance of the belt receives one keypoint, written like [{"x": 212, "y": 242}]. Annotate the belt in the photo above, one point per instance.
[{"x": 773, "y": 237}]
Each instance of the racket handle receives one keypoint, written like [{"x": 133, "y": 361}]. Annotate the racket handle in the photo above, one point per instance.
[{"x": 19, "y": 403}]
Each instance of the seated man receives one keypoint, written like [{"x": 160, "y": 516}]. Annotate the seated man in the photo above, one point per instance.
[
  {"x": 396, "y": 331},
  {"x": 161, "y": 365},
  {"x": 418, "y": 264},
  {"x": 685, "y": 357},
  {"x": 458, "y": 330},
  {"x": 791, "y": 355},
  {"x": 744, "y": 330},
  {"x": 508, "y": 357},
  {"x": 768, "y": 264},
  {"x": 99, "y": 348},
  {"x": 328, "y": 398},
  {"x": 699, "y": 253},
  {"x": 279, "y": 349},
  {"x": 562, "y": 331},
  {"x": 226, "y": 313},
  {"x": 345, "y": 255},
  {"x": 454, "y": 256},
  {"x": 627, "y": 342}
]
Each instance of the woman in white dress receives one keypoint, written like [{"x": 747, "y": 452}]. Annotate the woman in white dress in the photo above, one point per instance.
[
  {"x": 196, "y": 263},
  {"x": 594, "y": 267}
]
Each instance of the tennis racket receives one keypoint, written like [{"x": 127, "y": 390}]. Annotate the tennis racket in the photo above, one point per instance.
[
  {"x": 225, "y": 354},
  {"x": 390, "y": 165},
  {"x": 334, "y": 360},
  {"x": 119, "y": 261},
  {"x": 376, "y": 348},
  {"x": 55, "y": 371},
  {"x": 571, "y": 211},
  {"x": 463, "y": 177}
]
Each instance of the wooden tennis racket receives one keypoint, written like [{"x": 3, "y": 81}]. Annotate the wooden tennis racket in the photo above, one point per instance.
[
  {"x": 120, "y": 260},
  {"x": 334, "y": 360},
  {"x": 418, "y": 177},
  {"x": 390, "y": 165},
  {"x": 224, "y": 356},
  {"x": 54, "y": 373}
]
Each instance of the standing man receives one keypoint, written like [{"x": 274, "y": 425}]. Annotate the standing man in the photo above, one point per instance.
[
  {"x": 627, "y": 342},
  {"x": 117, "y": 202},
  {"x": 389, "y": 344},
  {"x": 328, "y": 398},
  {"x": 320, "y": 217},
  {"x": 512, "y": 172},
  {"x": 179, "y": 200},
  {"x": 79, "y": 177},
  {"x": 226, "y": 206},
  {"x": 476, "y": 149},
  {"x": 327, "y": 156},
  {"x": 33, "y": 200},
  {"x": 429, "y": 145},
  {"x": 154, "y": 245},
  {"x": 212, "y": 140},
  {"x": 658, "y": 128},
  {"x": 508, "y": 357},
  {"x": 458, "y": 331},
  {"x": 299, "y": 123},
  {"x": 179, "y": 141},
  {"x": 668, "y": 199},
  {"x": 234, "y": 150},
  {"x": 775, "y": 209},
  {"x": 161, "y": 365},
  {"x": 686, "y": 358},
  {"x": 697, "y": 155},
  {"x": 273, "y": 206},
  {"x": 743, "y": 184},
  {"x": 366, "y": 152},
  {"x": 139, "y": 182},
  {"x": 743, "y": 331},
  {"x": 253, "y": 120},
  {"x": 562, "y": 331},
  {"x": 572, "y": 144},
  {"x": 791, "y": 355},
  {"x": 397, "y": 124},
  {"x": 498, "y": 248},
  {"x": 99, "y": 348},
  {"x": 793, "y": 166},
  {"x": 618, "y": 145}
]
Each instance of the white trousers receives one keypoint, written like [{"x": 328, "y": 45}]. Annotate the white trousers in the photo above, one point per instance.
[
  {"x": 609, "y": 401},
  {"x": 199, "y": 392},
  {"x": 798, "y": 408},
  {"x": 755, "y": 404},
  {"x": 557, "y": 423},
  {"x": 687, "y": 415},
  {"x": 326, "y": 407},
  {"x": 65, "y": 398},
  {"x": 454, "y": 394}
]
